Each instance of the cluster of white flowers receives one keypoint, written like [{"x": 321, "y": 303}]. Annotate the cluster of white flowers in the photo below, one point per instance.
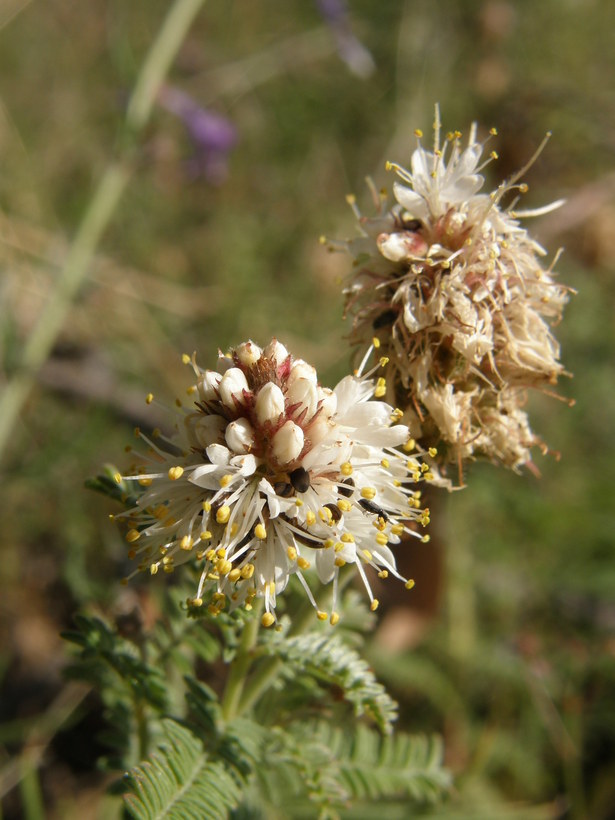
[
  {"x": 269, "y": 473},
  {"x": 454, "y": 289}
]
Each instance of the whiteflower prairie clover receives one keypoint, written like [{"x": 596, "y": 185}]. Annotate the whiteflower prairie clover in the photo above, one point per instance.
[
  {"x": 267, "y": 475},
  {"x": 456, "y": 293}
]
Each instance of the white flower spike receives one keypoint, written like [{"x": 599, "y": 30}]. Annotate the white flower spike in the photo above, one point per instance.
[
  {"x": 454, "y": 290},
  {"x": 270, "y": 475}
]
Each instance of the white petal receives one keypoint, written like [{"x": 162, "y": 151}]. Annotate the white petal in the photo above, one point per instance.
[{"x": 288, "y": 443}]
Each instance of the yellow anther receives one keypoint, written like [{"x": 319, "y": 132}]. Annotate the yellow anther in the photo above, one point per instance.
[
  {"x": 205, "y": 535},
  {"x": 210, "y": 555},
  {"x": 433, "y": 452},
  {"x": 344, "y": 505},
  {"x": 397, "y": 414},
  {"x": 351, "y": 199},
  {"x": 412, "y": 464},
  {"x": 524, "y": 187},
  {"x": 234, "y": 575},
  {"x": 409, "y": 584},
  {"x": 268, "y": 619},
  {"x": 168, "y": 568},
  {"x": 132, "y": 535},
  {"x": 186, "y": 543},
  {"x": 347, "y": 538},
  {"x": 381, "y": 388},
  {"x": 339, "y": 562},
  {"x": 429, "y": 476},
  {"x": 418, "y": 133},
  {"x": 226, "y": 480},
  {"x": 117, "y": 478},
  {"x": 223, "y": 514},
  {"x": 385, "y": 463},
  {"x": 374, "y": 604},
  {"x": 195, "y": 601},
  {"x": 384, "y": 573},
  {"x": 247, "y": 571},
  {"x": 322, "y": 616},
  {"x": 310, "y": 518},
  {"x": 328, "y": 543},
  {"x": 494, "y": 155},
  {"x": 424, "y": 467},
  {"x": 186, "y": 358},
  {"x": 388, "y": 165},
  {"x": 206, "y": 506},
  {"x": 145, "y": 482},
  {"x": 382, "y": 539},
  {"x": 260, "y": 531},
  {"x": 384, "y": 360},
  {"x": 346, "y": 469},
  {"x": 149, "y": 398},
  {"x": 397, "y": 529},
  {"x": 334, "y": 618},
  {"x": 190, "y": 391},
  {"x": 221, "y": 552},
  {"x": 426, "y": 539},
  {"x": 223, "y": 567},
  {"x": 493, "y": 132},
  {"x": 376, "y": 342},
  {"x": 298, "y": 502},
  {"x": 338, "y": 546},
  {"x": 219, "y": 598},
  {"x": 153, "y": 569},
  {"x": 368, "y": 555},
  {"x": 303, "y": 562},
  {"x": 325, "y": 515},
  {"x": 175, "y": 473},
  {"x": 409, "y": 445},
  {"x": 292, "y": 553},
  {"x": 380, "y": 524},
  {"x": 368, "y": 492}
]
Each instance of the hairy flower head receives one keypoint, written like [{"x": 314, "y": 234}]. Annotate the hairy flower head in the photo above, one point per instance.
[
  {"x": 455, "y": 292},
  {"x": 268, "y": 475}
]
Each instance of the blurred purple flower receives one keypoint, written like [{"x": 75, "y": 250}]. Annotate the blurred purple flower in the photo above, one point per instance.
[
  {"x": 351, "y": 50},
  {"x": 212, "y": 135}
]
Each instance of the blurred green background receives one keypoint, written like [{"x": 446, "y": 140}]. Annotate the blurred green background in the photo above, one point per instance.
[{"x": 509, "y": 650}]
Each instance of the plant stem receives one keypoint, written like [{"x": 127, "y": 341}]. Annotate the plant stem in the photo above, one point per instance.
[
  {"x": 98, "y": 214},
  {"x": 270, "y": 668},
  {"x": 239, "y": 667}
]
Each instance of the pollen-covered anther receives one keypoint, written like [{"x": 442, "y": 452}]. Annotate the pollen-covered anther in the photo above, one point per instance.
[
  {"x": 322, "y": 616},
  {"x": 267, "y": 619},
  {"x": 381, "y": 388},
  {"x": 176, "y": 472},
  {"x": 132, "y": 536},
  {"x": 186, "y": 543},
  {"x": 223, "y": 514},
  {"x": 260, "y": 532}
]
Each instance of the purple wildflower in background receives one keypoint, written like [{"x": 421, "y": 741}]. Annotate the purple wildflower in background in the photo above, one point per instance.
[
  {"x": 213, "y": 136},
  {"x": 351, "y": 50}
]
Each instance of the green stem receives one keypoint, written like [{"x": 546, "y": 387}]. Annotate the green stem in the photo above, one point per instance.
[
  {"x": 269, "y": 669},
  {"x": 97, "y": 216},
  {"x": 239, "y": 667}
]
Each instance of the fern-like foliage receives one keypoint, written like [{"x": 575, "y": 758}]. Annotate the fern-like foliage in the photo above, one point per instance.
[
  {"x": 328, "y": 661},
  {"x": 316, "y": 769},
  {"x": 181, "y": 782}
]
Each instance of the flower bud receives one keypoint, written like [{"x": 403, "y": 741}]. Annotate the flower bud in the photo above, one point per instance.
[
  {"x": 269, "y": 403},
  {"x": 302, "y": 370},
  {"x": 240, "y": 436},
  {"x": 276, "y": 350},
  {"x": 205, "y": 430},
  {"x": 328, "y": 402},
  {"x": 232, "y": 385},
  {"x": 288, "y": 443},
  {"x": 208, "y": 384},
  {"x": 303, "y": 391},
  {"x": 248, "y": 353}
]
